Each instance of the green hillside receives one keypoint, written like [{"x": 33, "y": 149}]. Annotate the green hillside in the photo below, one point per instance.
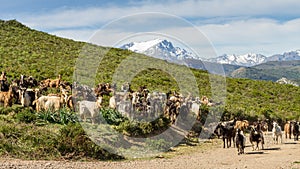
[
  {"x": 25, "y": 134},
  {"x": 31, "y": 52}
]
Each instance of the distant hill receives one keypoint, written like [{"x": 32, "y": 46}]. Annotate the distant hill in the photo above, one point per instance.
[
  {"x": 251, "y": 66},
  {"x": 272, "y": 70},
  {"x": 252, "y": 59},
  {"x": 31, "y": 52}
]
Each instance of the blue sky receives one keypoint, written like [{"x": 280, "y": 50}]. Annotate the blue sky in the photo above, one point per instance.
[{"x": 232, "y": 27}]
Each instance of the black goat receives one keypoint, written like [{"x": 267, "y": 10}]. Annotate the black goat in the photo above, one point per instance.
[
  {"x": 240, "y": 141},
  {"x": 226, "y": 130},
  {"x": 295, "y": 126},
  {"x": 256, "y": 136}
]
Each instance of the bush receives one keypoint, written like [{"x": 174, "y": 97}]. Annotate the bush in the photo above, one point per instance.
[
  {"x": 143, "y": 128},
  {"x": 112, "y": 116},
  {"x": 130, "y": 128},
  {"x": 62, "y": 116},
  {"x": 13, "y": 109},
  {"x": 74, "y": 143},
  {"x": 26, "y": 116},
  {"x": 27, "y": 141},
  {"x": 161, "y": 144}
]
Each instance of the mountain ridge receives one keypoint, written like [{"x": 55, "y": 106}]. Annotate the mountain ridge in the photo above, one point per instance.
[
  {"x": 164, "y": 49},
  {"x": 160, "y": 48}
]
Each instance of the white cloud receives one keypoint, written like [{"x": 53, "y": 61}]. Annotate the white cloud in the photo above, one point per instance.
[
  {"x": 265, "y": 36},
  {"x": 189, "y": 9},
  {"x": 232, "y": 26},
  {"x": 256, "y": 35}
]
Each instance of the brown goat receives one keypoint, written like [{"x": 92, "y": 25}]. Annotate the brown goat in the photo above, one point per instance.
[
  {"x": 50, "y": 102},
  {"x": 7, "y": 97},
  {"x": 71, "y": 103},
  {"x": 55, "y": 82},
  {"x": 242, "y": 125}
]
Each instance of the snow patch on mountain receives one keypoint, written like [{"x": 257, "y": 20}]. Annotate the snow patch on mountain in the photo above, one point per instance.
[
  {"x": 284, "y": 80},
  {"x": 141, "y": 47},
  {"x": 287, "y": 56},
  {"x": 158, "y": 48},
  {"x": 250, "y": 59}
]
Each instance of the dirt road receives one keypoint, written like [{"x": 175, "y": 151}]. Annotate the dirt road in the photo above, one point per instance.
[{"x": 285, "y": 155}]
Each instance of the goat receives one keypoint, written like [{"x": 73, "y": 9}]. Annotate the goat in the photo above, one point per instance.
[
  {"x": 104, "y": 89},
  {"x": 4, "y": 86},
  {"x": 256, "y": 136},
  {"x": 27, "y": 97},
  {"x": 71, "y": 103},
  {"x": 53, "y": 103},
  {"x": 26, "y": 82},
  {"x": 45, "y": 83},
  {"x": 226, "y": 130},
  {"x": 155, "y": 102},
  {"x": 99, "y": 102},
  {"x": 124, "y": 107},
  {"x": 3, "y": 76},
  {"x": 112, "y": 102},
  {"x": 276, "y": 132},
  {"x": 296, "y": 130},
  {"x": 240, "y": 141},
  {"x": 242, "y": 125},
  {"x": 55, "y": 82},
  {"x": 7, "y": 97},
  {"x": 195, "y": 108},
  {"x": 264, "y": 127},
  {"x": 88, "y": 109},
  {"x": 288, "y": 130},
  {"x": 48, "y": 103}
]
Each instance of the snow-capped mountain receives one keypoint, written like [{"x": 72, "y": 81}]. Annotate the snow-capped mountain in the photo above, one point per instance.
[
  {"x": 284, "y": 80},
  {"x": 255, "y": 59},
  {"x": 287, "y": 56},
  {"x": 164, "y": 49},
  {"x": 248, "y": 60},
  {"x": 158, "y": 48}
]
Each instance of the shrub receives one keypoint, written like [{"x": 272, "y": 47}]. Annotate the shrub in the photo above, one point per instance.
[
  {"x": 27, "y": 141},
  {"x": 160, "y": 145},
  {"x": 74, "y": 143},
  {"x": 112, "y": 116},
  {"x": 26, "y": 116},
  {"x": 62, "y": 116},
  {"x": 143, "y": 128},
  {"x": 13, "y": 109}
]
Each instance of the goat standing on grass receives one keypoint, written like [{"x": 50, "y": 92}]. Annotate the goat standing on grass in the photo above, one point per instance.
[
  {"x": 88, "y": 109},
  {"x": 7, "y": 97}
]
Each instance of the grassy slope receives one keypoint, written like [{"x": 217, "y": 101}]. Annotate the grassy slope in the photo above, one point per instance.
[{"x": 27, "y": 51}]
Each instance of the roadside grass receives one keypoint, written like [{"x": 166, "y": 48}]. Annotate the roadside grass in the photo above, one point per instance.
[{"x": 187, "y": 149}]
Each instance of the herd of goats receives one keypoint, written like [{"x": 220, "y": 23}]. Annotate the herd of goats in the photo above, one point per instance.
[
  {"x": 28, "y": 92},
  {"x": 234, "y": 130}
]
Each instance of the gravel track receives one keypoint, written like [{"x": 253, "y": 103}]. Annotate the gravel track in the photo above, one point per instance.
[{"x": 285, "y": 155}]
